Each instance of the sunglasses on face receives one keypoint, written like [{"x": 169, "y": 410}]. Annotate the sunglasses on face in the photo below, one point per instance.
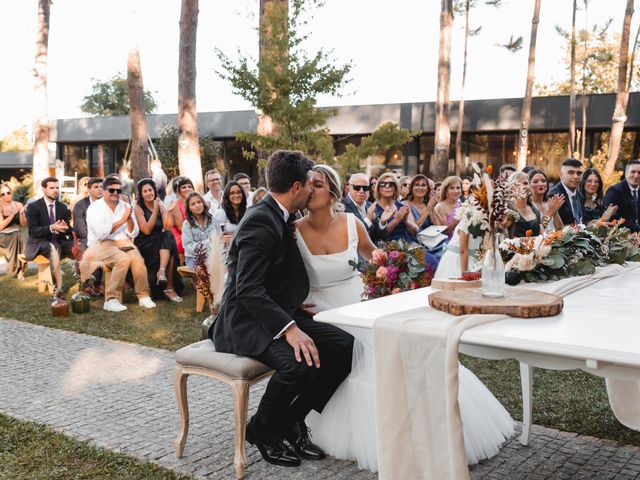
[
  {"x": 386, "y": 184},
  {"x": 114, "y": 190},
  {"x": 358, "y": 188},
  {"x": 2, "y": 194}
]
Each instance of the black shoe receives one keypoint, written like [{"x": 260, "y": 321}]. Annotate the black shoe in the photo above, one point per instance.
[
  {"x": 299, "y": 438},
  {"x": 272, "y": 450}
]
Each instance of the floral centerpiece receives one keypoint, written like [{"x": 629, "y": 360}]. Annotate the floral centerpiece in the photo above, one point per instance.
[{"x": 396, "y": 268}]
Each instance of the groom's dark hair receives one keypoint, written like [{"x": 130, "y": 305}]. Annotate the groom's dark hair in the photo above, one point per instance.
[{"x": 286, "y": 167}]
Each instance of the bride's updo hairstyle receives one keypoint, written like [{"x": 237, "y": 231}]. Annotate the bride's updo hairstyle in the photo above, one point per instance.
[{"x": 332, "y": 178}]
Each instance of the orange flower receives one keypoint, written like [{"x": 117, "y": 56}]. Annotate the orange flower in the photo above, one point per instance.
[
  {"x": 613, "y": 222},
  {"x": 528, "y": 233},
  {"x": 489, "y": 169},
  {"x": 621, "y": 221}
]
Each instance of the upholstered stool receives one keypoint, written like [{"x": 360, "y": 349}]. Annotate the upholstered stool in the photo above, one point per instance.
[
  {"x": 186, "y": 272},
  {"x": 45, "y": 280},
  {"x": 240, "y": 372}
]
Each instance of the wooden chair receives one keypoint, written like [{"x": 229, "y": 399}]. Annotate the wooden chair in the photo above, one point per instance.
[
  {"x": 186, "y": 272},
  {"x": 239, "y": 372},
  {"x": 45, "y": 280}
]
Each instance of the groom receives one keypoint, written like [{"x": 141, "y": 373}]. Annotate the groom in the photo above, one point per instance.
[{"x": 260, "y": 317}]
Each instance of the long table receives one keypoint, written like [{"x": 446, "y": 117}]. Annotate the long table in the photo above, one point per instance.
[{"x": 598, "y": 332}]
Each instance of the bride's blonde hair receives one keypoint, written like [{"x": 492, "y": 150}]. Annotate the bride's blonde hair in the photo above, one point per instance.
[{"x": 332, "y": 178}]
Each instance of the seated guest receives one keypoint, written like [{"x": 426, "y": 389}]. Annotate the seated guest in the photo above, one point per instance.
[
  {"x": 507, "y": 170},
  {"x": 111, "y": 228},
  {"x": 626, "y": 197},
  {"x": 259, "y": 194},
  {"x": 421, "y": 201},
  {"x": 244, "y": 181},
  {"x": 213, "y": 197},
  {"x": 94, "y": 189},
  {"x": 372, "y": 188},
  {"x": 437, "y": 188},
  {"x": 48, "y": 221},
  {"x": 233, "y": 208},
  {"x": 591, "y": 187},
  {"x": 572, "y": 210},
  {"x": 156, "y": 243},
  {"x": 466, "y": 188},
  {"x": 356, "y": 202},
  {"x": 389, "y": 213},
  {"x": 11, "y": 217},
  {"x": 176, "y": 209},
  {"x": 172, "y": 191},
  {"x": 83, "y": 192},
  {"x": 548, "y": 207},
  {"x": 405, "y": 184},
  {"x": 529, "y": 218},
  {"x": 197, "y": 228},
  {"x": 445, "y": 210}
]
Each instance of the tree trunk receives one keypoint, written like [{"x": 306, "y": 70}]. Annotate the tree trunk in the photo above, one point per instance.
[
  {"x": 572, "y": 93},
  {"x": 139, "y": 156},
  {"x": 443, "y": 132},
  {"x": 459, "y": 162},
  {"x": 266, "y": 126},
  {"x": 189, "y": 161},
  {"x": 100, "y": 172},
  {"x": 622, "y": 97},
  {"x": 523, "y": 139},
  {"x": 41, "y": 123},
  {"x": 583, "y": 100}
]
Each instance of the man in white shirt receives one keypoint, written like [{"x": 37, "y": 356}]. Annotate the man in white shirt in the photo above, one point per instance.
[
  {"x": 111, "y": 230},
  {"x": 214, "y": 196}
]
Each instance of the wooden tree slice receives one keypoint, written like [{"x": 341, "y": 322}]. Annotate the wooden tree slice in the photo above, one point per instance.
[
  {"x": 517, "y": 302},
  {"x": 454, "y": 284}
]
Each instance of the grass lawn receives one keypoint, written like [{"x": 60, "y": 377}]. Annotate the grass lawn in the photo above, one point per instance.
[
  {"x": 30, "y": 451},
  {"x": 572, "y": 401}
]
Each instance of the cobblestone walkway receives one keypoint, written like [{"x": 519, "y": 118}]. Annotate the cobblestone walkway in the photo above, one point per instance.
[{"x": 120, "y": 396}]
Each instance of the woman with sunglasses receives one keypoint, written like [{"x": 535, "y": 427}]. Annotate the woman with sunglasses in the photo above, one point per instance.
[
  {"x": 156, "y": 243},
  {"x": 389, "y": 213},
  {"x": 12, "y": 216},
  {"x": 231, "y": 211},
  {"x": 183, "y": 188}
]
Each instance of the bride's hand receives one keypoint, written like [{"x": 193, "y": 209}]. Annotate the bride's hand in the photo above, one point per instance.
[
  {"x": 307, "y": 309},
  {"x": 302, "y": 345}
]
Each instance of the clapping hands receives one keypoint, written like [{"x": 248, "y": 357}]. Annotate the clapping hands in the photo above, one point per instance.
[{"x": 554, "y": 204}]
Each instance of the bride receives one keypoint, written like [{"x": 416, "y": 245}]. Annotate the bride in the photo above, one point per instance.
[{"x": 329, "y": 243}]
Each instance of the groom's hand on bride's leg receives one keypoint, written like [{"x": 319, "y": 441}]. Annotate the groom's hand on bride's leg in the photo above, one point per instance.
[{"x": 303, "y": 346}]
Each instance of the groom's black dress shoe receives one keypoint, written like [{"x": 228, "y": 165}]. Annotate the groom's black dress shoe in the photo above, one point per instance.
[
  {"x": 298, "y": 437},
  {"x": 272, "y": 450}
]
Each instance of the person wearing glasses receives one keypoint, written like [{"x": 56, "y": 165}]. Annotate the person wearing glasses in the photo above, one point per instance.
[
  {"x": 214, "y": 196},
  {"x": 233, "y": 208},
  {"x": 356, "y": 202},
  {"x": 111, "y": 228},
  {"x": 11, "y": 218},
  {"x": 389, "y": 213},
  {"x": 405, "y": 187}
]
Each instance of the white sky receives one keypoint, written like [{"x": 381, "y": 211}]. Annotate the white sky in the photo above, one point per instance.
[{"x": 392, "y": 46}]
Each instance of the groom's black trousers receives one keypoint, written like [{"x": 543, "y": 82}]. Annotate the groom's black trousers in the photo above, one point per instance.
[{"x": 295, "y": 388}]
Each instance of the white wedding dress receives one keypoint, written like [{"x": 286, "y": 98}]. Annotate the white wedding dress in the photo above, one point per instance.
[
  {"x": 449, "y": 266},
  {"x": 346, "y": 429}
]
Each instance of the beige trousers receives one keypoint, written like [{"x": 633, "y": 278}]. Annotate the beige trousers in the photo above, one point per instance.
[{"x": 120, "y": 263}]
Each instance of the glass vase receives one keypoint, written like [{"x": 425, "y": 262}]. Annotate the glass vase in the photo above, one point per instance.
[{"x": 493, "y": 281}]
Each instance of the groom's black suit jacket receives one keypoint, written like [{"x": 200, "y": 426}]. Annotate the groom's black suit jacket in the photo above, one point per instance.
[{"x": 266, "y": 282}]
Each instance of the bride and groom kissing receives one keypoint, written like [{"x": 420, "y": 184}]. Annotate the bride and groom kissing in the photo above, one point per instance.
[{"x": 263, "y": 313}]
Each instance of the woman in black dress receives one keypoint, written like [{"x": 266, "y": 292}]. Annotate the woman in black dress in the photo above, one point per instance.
[
  {"x": 592, "y": 189},
  {"x": 157, "y": 244},
  {"x": 530, "y": 219}
]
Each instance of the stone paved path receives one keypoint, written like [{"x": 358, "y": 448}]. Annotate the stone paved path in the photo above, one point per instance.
[{"x": 120, "y": 396}]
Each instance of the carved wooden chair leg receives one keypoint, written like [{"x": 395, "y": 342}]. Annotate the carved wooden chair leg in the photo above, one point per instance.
[
  {"x": 180, "y": 383},
  {"x": 199, "y": 301},
  {"x": 241, "y": 406}
]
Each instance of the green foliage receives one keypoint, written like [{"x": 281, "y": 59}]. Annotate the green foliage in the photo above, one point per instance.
[
  {"x": 513, "y": 44},
  {"x": 22, "y": 189},
  {"x": 285, "y": 82},
  {"x": 111, "y": 98},
  {"x": 597, "y": 59},
  {"x": 385, "y": 138},
  {"x": 167, "y": 148},
  {"x": 17, "y": 140}
]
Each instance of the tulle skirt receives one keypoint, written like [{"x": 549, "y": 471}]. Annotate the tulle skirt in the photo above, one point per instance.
[{"x": 346, "y": 429}]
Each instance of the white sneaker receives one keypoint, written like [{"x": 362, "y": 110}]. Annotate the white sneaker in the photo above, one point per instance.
[
  {"x": 113, "y": 305},
  {"x": 146, "y": 302}
]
